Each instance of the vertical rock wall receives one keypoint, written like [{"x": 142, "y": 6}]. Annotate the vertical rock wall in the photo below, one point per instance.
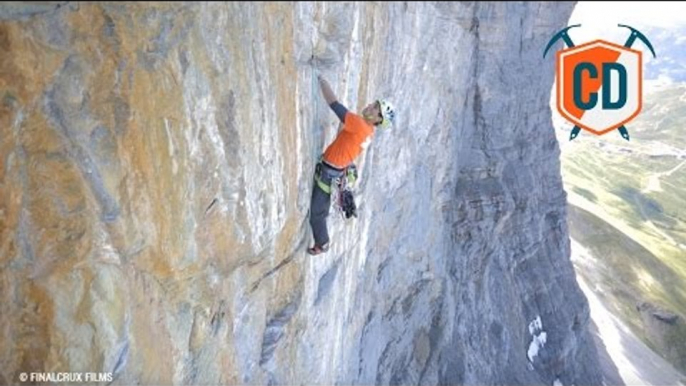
[{"x": 155, "y": 173}]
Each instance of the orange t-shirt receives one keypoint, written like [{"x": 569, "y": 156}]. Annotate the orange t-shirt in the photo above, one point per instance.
[{"x": 350, "y": 141}]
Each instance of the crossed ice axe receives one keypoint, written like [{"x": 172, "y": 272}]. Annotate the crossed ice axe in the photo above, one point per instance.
[{"x": 629, "y": 42}]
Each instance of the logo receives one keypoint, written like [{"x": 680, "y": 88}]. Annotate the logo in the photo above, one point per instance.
[{"x": 599, "y": 83}]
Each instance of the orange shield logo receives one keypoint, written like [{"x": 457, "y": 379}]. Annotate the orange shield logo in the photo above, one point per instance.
[{"x": 599, "y": 84}]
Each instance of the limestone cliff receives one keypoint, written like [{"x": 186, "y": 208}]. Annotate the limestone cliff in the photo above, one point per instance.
[{"x": 155, "y": 173}]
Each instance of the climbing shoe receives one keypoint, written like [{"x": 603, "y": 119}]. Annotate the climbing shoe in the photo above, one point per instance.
[{"x": 317, "y": 249}]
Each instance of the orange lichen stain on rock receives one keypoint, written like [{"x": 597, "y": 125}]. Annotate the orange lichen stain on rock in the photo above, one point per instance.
[
  {"x": 10, "y": 186},
  {"x": 26, "y": 65},
  {"x": 90, "y": 300},
  {"x": 100, "y": 55},
  {"x": 12, "y": 82},
  {"x": 152, "y": 354},
  {"x": 34, "y": 328},
  {"x": 372, "y": 41},
  {"x": 103, "y": 53},
  {"x": 158, "y": 109},
  {"x": 218, "y": 230},
  {"x": 288, "y": 281},
  {"x": 10, "y": 316},
  {"x": 85, "y": 303},
  {"x": 56, "y": 199},
  {"x": 217, "y": 244},
  {"x": 278, "y": 34}
]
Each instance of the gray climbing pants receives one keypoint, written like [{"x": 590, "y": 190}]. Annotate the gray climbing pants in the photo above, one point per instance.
[{"x": 321, "y": 202}]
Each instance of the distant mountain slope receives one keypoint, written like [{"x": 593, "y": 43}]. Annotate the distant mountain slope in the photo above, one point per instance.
[{"x": 628, "y": 208}]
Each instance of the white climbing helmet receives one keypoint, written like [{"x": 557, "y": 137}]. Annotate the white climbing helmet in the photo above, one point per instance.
[{"x": 387, "y": 112}]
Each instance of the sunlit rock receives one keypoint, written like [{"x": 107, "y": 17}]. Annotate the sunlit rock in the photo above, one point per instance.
[{"x": 156, "y": 167}]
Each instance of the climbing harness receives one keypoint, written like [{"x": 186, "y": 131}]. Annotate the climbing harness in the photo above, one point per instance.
[{"x": 340, "y": 189}]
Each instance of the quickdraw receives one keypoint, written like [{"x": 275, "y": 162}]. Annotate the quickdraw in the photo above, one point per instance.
[{"x": 342, "y": 194}]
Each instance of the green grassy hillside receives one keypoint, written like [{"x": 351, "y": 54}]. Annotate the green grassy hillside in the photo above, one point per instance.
[{"x": 627, "y": 206}]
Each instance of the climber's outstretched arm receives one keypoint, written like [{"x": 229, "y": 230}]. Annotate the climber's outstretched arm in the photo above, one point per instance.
[
  {"x": 331, "y": 99},
  {"x": 326, "y": 90}
]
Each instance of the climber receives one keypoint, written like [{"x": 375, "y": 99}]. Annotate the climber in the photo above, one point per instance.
[{"x": 355, "y": 136}]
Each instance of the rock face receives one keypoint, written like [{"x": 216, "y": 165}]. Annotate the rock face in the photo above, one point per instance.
[
  {"x": 156, "y": 167},
  {"x": 663, "y": 329}
]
